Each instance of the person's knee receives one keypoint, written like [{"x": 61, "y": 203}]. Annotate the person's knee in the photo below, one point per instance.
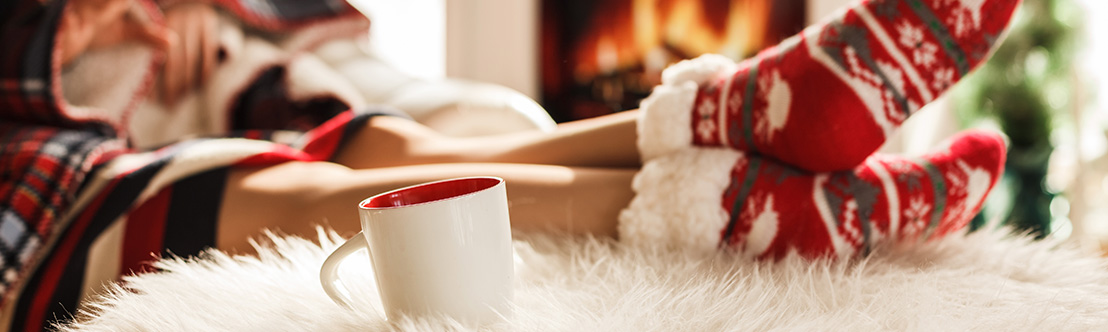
[
  {"x": 387, "y": 141},
  {"x": 290, "y": 188}
]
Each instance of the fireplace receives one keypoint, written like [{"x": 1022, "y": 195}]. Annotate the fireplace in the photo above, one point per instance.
[{"x": 604, "y": 56}]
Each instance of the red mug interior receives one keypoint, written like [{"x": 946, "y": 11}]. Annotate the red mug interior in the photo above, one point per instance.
[{"x": 429, "y": 192}]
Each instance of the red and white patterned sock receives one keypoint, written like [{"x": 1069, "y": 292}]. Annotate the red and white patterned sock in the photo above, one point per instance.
[
  {"x": 766, "y": 209},
  {"x": 827, "y": 98}
]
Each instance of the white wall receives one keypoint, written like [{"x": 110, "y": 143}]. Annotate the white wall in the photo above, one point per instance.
[
  {"x": 820, "y": 9},
  {"x": 409, "y": 34},
  {"x": 494, "y": 41}
]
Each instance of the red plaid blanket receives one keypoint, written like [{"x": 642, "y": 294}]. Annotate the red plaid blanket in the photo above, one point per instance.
[{"x": 67, "y": 174}]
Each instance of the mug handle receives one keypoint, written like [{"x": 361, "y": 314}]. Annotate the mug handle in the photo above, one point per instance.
[{"x": 329, "y": 273}]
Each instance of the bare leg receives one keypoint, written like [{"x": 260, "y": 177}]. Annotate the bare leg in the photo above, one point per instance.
[
  {"x": 606, "y": 141},
  {"x": 541, "y": 197}
]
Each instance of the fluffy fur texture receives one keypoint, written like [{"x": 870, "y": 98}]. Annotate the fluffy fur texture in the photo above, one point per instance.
[
  {"x": 665, "y": 124},
  {"x": 986, "y": 281},
  {"x": 700, "y": 175}
]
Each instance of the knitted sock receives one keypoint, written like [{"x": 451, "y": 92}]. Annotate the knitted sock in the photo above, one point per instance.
[
  {"x": 769, "y": 209},
  {"x": 827, "y": 98}
]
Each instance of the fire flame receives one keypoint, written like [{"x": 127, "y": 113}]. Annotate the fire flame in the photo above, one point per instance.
[{"x": 626, "y": 33}]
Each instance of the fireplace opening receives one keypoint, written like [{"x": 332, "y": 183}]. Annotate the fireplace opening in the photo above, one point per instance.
[{"x": 601, "y": 57}]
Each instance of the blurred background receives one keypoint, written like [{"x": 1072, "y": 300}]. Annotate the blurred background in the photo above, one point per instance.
[{"x": 583, "y": 58}]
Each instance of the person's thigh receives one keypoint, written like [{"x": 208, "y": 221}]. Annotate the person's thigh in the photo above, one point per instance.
[
  {"x": 294, "y": 197},
  {"x": 605, "y": 141}
]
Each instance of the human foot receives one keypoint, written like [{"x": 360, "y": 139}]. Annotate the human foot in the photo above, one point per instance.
[
  {"x": 708, "y": 198},
  {"x": 827, "y": 98}
]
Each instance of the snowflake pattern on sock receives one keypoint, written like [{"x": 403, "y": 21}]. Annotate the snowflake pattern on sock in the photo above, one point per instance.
[
  {"x": 828, "y": 97},
  {"x": 776, "y": 209}
]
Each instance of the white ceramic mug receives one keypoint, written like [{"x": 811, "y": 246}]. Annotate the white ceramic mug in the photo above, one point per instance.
[{"x": 439, "y": 248}]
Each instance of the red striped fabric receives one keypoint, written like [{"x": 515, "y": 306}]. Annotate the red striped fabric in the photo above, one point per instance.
[
  {"x": 54, "y": 267},
  {"x": 142, "y": 237}
]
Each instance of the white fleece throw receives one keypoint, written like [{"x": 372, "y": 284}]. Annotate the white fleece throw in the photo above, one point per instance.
[{"x": 985, "y": 281}]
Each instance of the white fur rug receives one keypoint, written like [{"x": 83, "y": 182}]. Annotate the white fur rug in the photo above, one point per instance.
[{"x": 985, "y": 281}]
